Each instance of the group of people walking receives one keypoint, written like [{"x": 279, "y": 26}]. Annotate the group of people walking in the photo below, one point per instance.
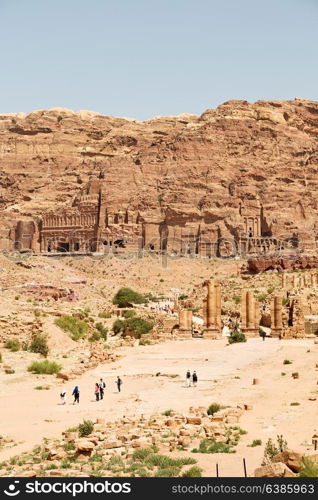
[
  {"x": 98, "y": 391},
  {"x": 191, "y": 378}
]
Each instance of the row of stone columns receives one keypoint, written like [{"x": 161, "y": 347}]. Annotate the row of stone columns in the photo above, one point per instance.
[
  {"x": 250, "y": 315},
  {"x": 300, "y": 280}
]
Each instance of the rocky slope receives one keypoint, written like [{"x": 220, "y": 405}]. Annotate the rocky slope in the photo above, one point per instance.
[{"x": 187, "y": 167}]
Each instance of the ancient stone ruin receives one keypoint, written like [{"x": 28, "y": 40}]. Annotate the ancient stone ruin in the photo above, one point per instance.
[{"x": 90, "y": 224}]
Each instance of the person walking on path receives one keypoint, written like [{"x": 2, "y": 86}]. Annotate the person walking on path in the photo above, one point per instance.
[
  {"x": 102, "y": 387},
  {"x": 119, "y": 383},
  {"x": 63, "y": 397},
  {"x": 76, "y": 394},
  {"x": 188, "y": 378},
  {"x": 194, "y": 379},
  {"x": 97, "y": 391},
  {"x": 263, "y": 334}
]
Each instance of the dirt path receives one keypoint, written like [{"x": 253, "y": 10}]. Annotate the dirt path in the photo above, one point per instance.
[{"x": 225, "y": 376}]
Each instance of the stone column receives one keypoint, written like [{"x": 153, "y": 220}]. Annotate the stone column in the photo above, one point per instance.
[
  {"x": 283, "y": 279},
  {"x": 250, "y": 315},
  {"x": 185, "y": 323},
  {"x": 276, "y": 316},
  {"x": 205, "y": 312},
  {"x": 213, "y": 311}
]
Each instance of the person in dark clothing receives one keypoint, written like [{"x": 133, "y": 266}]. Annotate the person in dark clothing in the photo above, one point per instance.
[
  {"x": 102, "y": 386},
  {"x": 76, "y": 394},
  {"x": 188, "y": 378},
  {"x": 194, "y": 379},
  {"x": 263, "y": 334},
  {"x": 119, "y": 383}
]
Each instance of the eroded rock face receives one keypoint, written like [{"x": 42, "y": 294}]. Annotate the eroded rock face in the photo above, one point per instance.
[
  {"x": 291, "y": 263},
  {"x": 194, "y": 169}
]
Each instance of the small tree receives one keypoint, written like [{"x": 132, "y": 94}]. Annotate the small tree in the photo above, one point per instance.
[
  {"x": 39, "y": 345},
  {"x": 118, "y": 326},
  {"x": 213, "y": 408},
  {"x": 86, "y": 428},
  {"x": 125, "y": 297},
  {"x": 236, "y": 336}
]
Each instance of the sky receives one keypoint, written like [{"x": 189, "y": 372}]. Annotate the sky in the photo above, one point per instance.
[{"x": 144, "y": 58}]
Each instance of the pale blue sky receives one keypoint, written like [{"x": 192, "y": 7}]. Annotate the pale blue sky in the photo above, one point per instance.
[{"x": 142, "y": 58}]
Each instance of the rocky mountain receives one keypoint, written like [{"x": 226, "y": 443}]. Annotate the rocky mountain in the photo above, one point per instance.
[{"x": 186, "y": 168}]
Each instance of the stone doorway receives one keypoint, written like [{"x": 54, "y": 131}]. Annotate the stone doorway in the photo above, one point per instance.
[{"x": 63, "y": 246}]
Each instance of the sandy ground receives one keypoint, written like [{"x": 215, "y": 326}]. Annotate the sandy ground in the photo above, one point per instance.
[{"x": 28, "y": 415}]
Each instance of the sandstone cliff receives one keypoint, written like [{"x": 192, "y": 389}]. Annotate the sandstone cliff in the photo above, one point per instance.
[{"x": 185, "y": 168}]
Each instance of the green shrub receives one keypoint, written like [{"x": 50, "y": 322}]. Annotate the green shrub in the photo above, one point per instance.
[
  {"x": 44, "y": 367},
  {"x": 69, "y": 446},
  {"x": 183, "y": 296},
  {"x": 42, "y": 387},
  {"x": 105, "y": 315},
  {"x": 236, "y": 336},
  {"x": 9, "y": 371},
  {"x": 1, "y": 357},
  {"x": 138, "y": 326},
  {"x": 261, "y": 297},
  {"x": 129, "y": 314},
  {"x": 142, "y": 453},
  {"x": 193, "y": 472},
  {"x": 168, "y": 472},
  {"x": 102, "y": 330},
  {"x": 118, "y": 326},
  {"x": 135, "y": 325},
  {"x": 86, "y": 428},
  {"x": 213, "y": 408},
  {"x": 167, "y": 413},
  {"x": 144, "y": 342},
  {"x": 75, "y": 327},
  {"x": 237, "y": 299},
  {"x": 272, "y": 449},
  {"x": 12, "y": 344},
  {"x": 294, "y": 404},
  {"x": 287, "y": 362},
  {"x": 95, "y": 337},
  {"x": 126, "y": 296},
  {"x": 96, "y": 457},
  {"x": 210, "y": 446},
  {"x": 284, "y": 301},
  {"x": 39, "y": 345},
  {"x": 270, "y": 290},
  {"x": 256, "y": 442},
  {"x": 308, "y": 468}
]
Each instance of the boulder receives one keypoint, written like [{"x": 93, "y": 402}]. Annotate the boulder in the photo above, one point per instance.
[
  {"x": 84, "y": 446},
  {"x": 290, "y": 458},
  {"x": 277, "y": 469},
  {"x": 194, "y": 420}
]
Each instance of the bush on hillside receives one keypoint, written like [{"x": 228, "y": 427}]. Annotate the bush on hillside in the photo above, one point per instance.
[
  {"x": 75, "y": 327},
  {"x": 44, "y": 367},
  {"x": 39, "y": 345},
  {"x": 126, "y": 296},
  {"x": 12, "y": 344}
]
